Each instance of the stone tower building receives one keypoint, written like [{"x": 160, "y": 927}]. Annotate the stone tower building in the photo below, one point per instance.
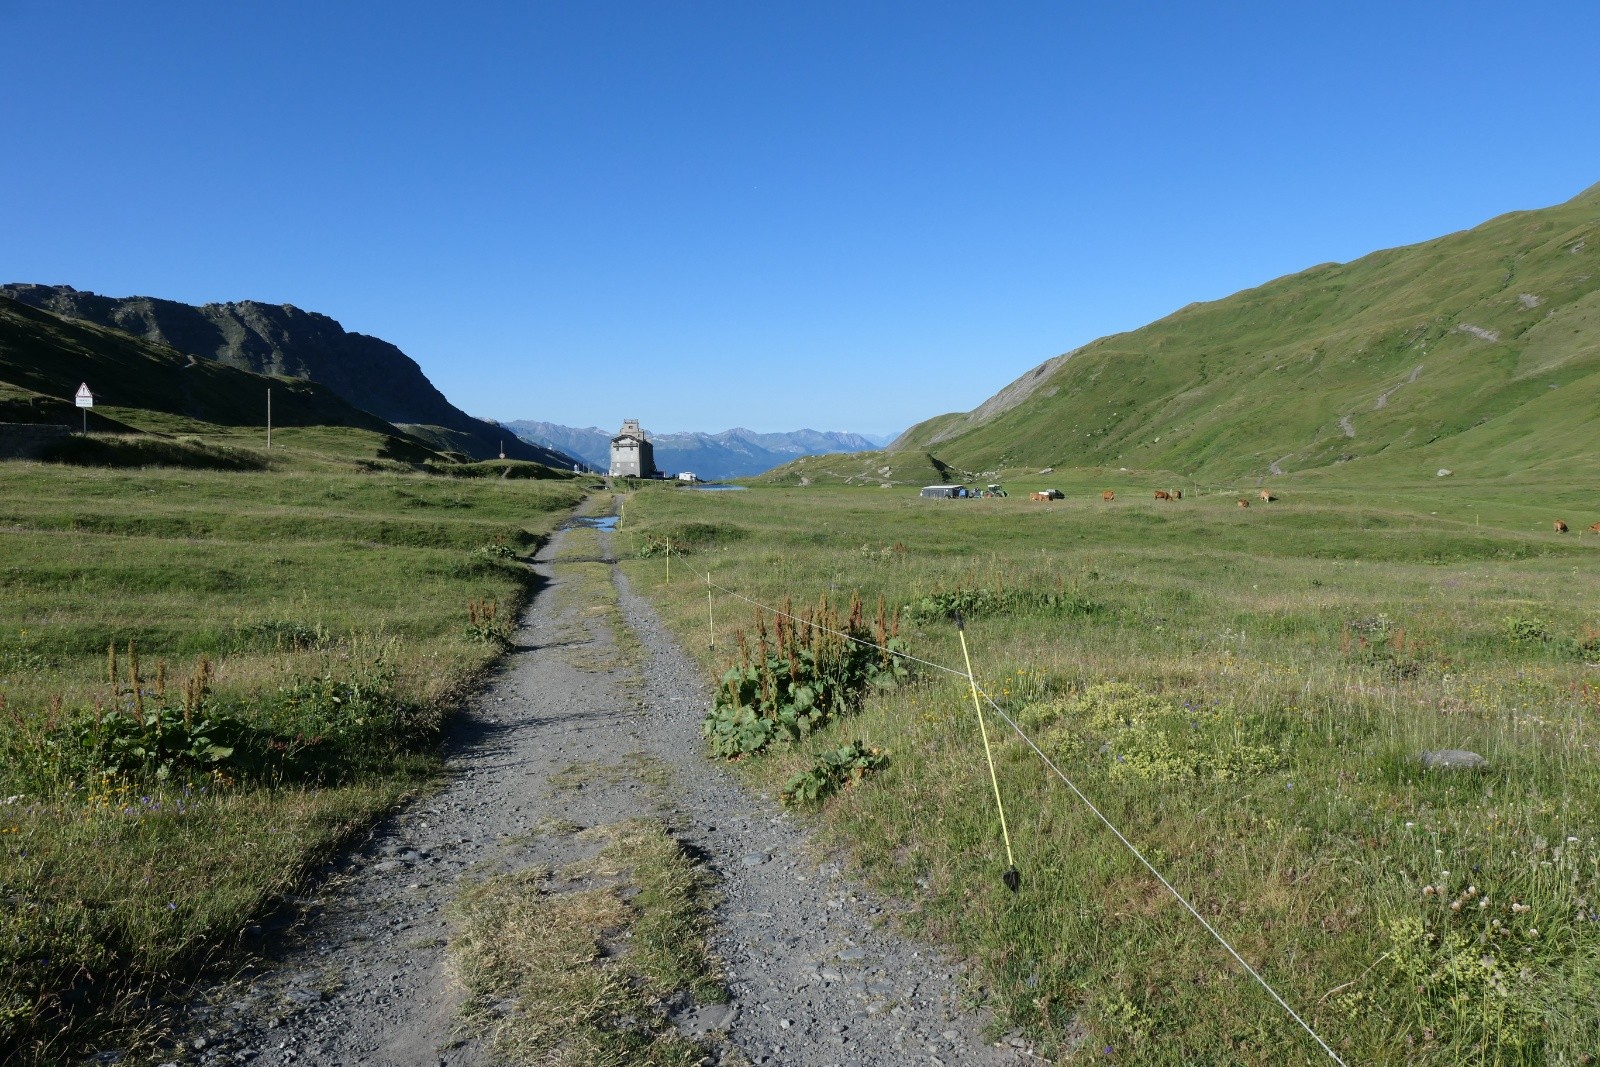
[{"x": 632, "y": 454}]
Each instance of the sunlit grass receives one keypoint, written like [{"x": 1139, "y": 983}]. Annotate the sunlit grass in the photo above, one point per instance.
[{"x": 1350, "y": 638}]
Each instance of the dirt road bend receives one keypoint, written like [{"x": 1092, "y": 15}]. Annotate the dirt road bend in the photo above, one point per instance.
[{"x": 583, "y": 730}]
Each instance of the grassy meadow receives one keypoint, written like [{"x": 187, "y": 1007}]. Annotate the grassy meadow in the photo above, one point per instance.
[
  {"x": 1245, "y": 693},
  {"x": 208, "y": 681}
]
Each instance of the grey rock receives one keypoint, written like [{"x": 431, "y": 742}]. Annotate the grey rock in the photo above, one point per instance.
[
  {"x": 1452, "y": 759},
  {"x": 707, "y": 1018}
]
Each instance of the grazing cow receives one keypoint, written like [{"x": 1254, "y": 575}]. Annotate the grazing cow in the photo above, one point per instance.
[
  {"x": 1039, "y": 496},
  {"x": 1561, "y": 527},
  {"x": 1162, "y": 494},
  {"x": 1108, "y": 495},
  {"x": 1266, "y": 494},
  {"x": 1243, "y": 503},
  {"x": 1595, "y": 528},
  {"x": 1177, "y": 494}
]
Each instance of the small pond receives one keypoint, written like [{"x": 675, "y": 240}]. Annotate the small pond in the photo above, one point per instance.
[{"x": 718, "y": 488}]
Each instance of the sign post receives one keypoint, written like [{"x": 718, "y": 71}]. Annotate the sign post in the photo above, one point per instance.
[{"x": 85, "y": 400}]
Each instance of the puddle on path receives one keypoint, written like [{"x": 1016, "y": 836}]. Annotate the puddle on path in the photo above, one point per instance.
[{"x": 596, "y": 522}]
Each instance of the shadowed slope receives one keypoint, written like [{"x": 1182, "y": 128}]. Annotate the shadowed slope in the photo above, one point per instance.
[
  {"x": 44, "y": 358},
  {"x": 282, "y": 340}
]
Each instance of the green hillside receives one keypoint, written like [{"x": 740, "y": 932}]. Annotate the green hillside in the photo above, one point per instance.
[
  {"x": 1478, "y": 352},
  {"x": 883, "y": 469},
  {"x": 141, "y": 385}
]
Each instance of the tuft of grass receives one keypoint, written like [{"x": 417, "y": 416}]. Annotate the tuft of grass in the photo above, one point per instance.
[{"x": 581, "y": 966}]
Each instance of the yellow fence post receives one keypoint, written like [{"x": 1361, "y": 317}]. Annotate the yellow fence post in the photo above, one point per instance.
[{"x": 1012, "y": 877}]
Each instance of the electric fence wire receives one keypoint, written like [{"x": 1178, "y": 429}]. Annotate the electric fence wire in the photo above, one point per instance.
[
  {"x": 1120, "y": 836},
  {"x": 1179, "y": 897}
]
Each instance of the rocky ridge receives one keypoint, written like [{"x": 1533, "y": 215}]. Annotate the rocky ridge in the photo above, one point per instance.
[{"x": 283, "y": 340}]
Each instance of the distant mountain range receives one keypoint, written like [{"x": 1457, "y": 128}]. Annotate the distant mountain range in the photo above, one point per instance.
[
  {"x": 279, "y": 339},
  {"x": 735, "y": 453}
]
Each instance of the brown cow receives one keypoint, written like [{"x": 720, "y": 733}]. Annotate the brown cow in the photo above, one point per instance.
[
  {"x": 1162, "y": 494},
  {"x": 1177, "y": 494},
  {"x": 1266, "y": 494},
  {"x": 1039, "y": 496},
  {"x": 1243, "y": 503},
  {"x": 1561, "y": 527},
  {"x": 1595, "y": 528},
  {"x": 1108, "y": 495}
]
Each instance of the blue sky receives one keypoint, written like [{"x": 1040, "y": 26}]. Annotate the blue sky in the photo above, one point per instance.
[{"x": 770, "y": 214}]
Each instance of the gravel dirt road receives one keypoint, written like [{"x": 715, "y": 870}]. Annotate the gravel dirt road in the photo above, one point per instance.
[{"x": 574, "y": 733}]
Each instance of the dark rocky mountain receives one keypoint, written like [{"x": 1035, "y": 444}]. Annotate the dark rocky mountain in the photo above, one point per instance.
[
  {"x": 145, "y": 385},
  {"x": 735, "y": 453},
  {"x": 280, "y": 339}
]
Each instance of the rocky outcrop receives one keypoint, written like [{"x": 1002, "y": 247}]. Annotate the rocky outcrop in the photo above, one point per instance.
[{"x": 997, "y": 405}]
